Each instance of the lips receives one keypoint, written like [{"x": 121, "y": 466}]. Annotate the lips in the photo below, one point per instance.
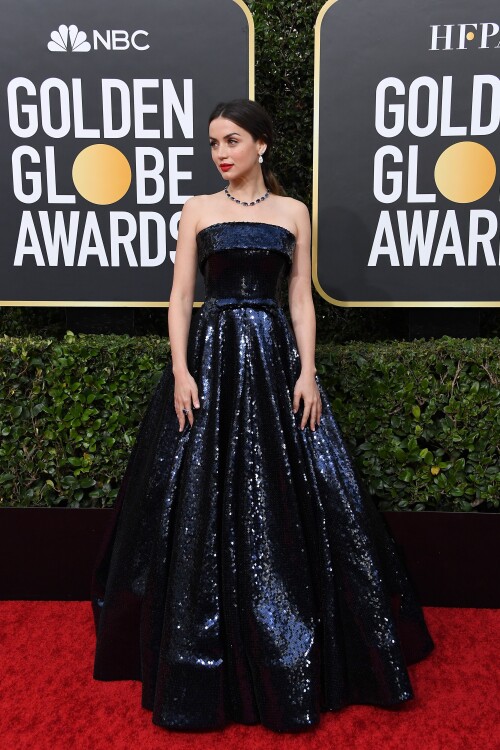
[{"x": 225, "y": 167}]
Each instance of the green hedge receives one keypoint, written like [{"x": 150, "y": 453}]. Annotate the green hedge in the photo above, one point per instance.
[
  {"x": 421, "y": 418},
  {"x": 69, "y": 413}
]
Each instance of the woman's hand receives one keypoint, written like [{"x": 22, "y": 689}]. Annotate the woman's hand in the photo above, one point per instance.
[
  {"x": 307, "y": 389},
  {"x": 185, "y": 395}
]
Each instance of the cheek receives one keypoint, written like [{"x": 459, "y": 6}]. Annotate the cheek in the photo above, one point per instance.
[{"x": 244, "y": 155}]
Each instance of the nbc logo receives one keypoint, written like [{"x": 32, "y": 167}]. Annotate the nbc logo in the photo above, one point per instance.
[{"x": 68, "y": 38}]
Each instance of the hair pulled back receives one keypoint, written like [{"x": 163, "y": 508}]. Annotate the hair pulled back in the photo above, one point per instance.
[{"x": 253, "y": 118}]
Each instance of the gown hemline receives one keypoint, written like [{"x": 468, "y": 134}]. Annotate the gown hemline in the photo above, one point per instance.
[{"x": 399, "y": 705}]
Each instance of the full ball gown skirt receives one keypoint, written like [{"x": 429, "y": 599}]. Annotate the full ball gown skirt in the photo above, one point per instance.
[{"x": 247, "y": 576}]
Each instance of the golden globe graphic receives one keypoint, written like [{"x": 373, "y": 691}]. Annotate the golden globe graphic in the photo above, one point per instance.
[
  {"x": 465, "y": 172},
  {"x": 101, "y": 174},
  {"x": 101, "y": 150},
  {"x": 406, "y": 189}
]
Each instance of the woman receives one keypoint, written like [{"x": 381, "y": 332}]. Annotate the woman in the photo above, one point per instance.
[{"x": 247, "y": 575}]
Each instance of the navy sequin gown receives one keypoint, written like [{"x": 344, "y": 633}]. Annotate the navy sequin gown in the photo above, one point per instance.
[{"x": 247, "y": 576}]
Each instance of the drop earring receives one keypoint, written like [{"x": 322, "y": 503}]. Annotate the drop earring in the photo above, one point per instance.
[{"x": 260, "y": 159}]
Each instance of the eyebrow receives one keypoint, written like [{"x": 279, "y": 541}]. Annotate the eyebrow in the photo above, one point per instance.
[{"x": 226, "y": 136}]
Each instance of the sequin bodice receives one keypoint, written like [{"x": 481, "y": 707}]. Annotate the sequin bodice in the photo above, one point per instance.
[{"x": 244, "y": 259}]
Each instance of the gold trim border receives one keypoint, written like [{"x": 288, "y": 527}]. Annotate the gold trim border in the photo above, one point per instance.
[
  {"x": 128, "y": 303},
  {"x": 251, "y": 47},
  {"x": 315, "y": 194}
]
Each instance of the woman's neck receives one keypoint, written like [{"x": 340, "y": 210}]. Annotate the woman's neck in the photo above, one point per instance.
[{"x": 247, "y": 189}]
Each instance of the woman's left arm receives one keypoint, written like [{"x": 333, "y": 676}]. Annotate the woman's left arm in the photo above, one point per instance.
[{"x": 303, "y": 317}]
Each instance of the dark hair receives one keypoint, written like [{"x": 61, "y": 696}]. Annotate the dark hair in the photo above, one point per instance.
[{"x": 253, "y": 118}]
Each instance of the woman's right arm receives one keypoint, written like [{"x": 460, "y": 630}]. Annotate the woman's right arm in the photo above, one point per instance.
[{"x": 180, "y": 311}]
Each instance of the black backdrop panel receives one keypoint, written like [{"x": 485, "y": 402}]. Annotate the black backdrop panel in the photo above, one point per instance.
[
  {"x": 104, "y": 135},
  {"x": 407, "y": 115}
]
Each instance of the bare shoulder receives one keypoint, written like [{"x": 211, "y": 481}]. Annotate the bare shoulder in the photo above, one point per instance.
[
  {"x": 292, "y": 206},
  {"x": 188, "y": 220},
  {"x": 199, "y": 208},
  {"x": 296, "y": 212},
  {"x": 193, "y": 204},
  {"x": 192, "y": 210},
  {"x": 292, "y": 203}
]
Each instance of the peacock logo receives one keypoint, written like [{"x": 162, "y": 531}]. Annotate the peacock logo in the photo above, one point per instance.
[{"x": 68, "y": 39}]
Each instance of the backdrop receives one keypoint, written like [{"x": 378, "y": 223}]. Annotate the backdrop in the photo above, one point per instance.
[
  {"x": 406, "y": 189},
  {"x": 104, "y": 131}
]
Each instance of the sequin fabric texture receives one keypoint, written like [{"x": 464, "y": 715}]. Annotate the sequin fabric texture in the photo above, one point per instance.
[{"x": 246, "y": 575}]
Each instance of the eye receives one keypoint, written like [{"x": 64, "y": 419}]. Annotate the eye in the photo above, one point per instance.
[{"x": 232, "y": 140}]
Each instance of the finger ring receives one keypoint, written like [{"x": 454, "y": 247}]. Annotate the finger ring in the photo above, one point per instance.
[{"x": 186, "y": 411}]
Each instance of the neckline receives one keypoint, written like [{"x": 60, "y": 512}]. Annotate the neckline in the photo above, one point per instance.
[{"x": 261, "y": 223}]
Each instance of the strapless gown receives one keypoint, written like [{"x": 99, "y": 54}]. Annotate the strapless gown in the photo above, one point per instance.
[{"x": 247, "y": 576}]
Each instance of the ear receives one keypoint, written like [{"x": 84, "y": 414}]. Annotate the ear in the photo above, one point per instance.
[{"x": 262, "y": 146}]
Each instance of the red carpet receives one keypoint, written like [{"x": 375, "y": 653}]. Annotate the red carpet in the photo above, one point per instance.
[{"x": 50, "y": 700}]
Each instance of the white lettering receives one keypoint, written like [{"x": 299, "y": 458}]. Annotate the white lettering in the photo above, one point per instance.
[
  {"x": 26, "y": 109},
  {"x": 485, "y": 33},
  {"x": 446, "y": 127},
  {"x": 27, "y": 232},
  {"x": 417, "y": 244},
  {"x": 133, "y": 38},
  {"x": 120, "y": 39},
  {"x": 437, "y": 111},
  {"x": 108, "y": 86},
  {"x": 57, "y": 110},
  {"x": 398, "y": 110},
  {"x": 52, "y": 195},
  {"x": 417, "y": 237},
  {"x": 60, "y": 111},
  {"x": 394, "y": 177},
  {"x": 384, "y": 231},
  {"x": 476, "y": 238},
  {"x": 477, "y": 98},
  {"x": 91, "y": 232},
  {"x": 172, "y": 103},
  {"x": 58, "y": 238},
  {"x": 432, "y": 106},
  {"x": 413, "y": 195},
  {"x": 33, "y": 177},
  {"x": 174, "y": 175},
  {"x": 153, "y": 174},
  {"x": 99, "y": 39},
  {"x": 141, "y": 109},
  {"x": 80, "y": 130},
  {"x": 145, "y": 218},
  {"x": 117, "y": 239},
  {"x": 447, "y": 36},
  {"x": 449, "y": 230}
]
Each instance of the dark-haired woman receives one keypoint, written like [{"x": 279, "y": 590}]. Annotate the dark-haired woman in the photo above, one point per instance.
[{"x": 247, "y": 576}]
